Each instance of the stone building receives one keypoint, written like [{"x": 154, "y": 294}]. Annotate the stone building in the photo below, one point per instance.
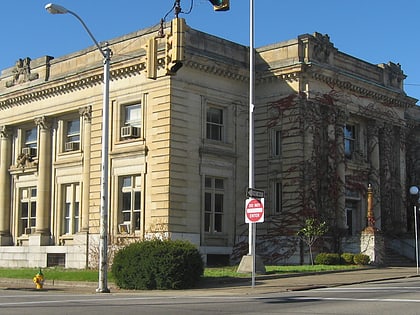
[{"x": 326, "y": 125}]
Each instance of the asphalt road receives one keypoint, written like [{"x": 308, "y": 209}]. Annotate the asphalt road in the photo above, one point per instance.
[{"x": 400, "y": 296}]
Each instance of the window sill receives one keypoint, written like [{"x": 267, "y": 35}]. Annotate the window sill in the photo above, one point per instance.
[{"x": 65, "y": 239}]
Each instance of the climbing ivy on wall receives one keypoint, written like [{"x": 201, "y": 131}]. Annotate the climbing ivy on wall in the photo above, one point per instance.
[{"x": 317, "y": 181}]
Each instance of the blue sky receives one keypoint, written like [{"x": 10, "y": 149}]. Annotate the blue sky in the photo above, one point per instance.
[{"x": 377, "y": 31}]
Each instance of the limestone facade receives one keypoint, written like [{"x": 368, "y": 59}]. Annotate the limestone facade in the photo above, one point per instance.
[{"x": 327, "y": 124}]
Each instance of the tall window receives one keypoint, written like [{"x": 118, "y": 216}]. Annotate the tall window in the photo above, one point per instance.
[
  {"x": 30, "y": 141},
  {"x": 352, "y": 217},
  {"x": 27, "y": 210},
  {"x": 72, "y": 140},
  {"x": 71, "y": 213},
  {"x": 213, "y": 204},
  {"x": 349, "y": 140},
  {"x": 214, "y": 123},
  {"x": 276, "y": 143},
  {"x": 130, "y": 203},
  {"x": 277, "y": 197}
]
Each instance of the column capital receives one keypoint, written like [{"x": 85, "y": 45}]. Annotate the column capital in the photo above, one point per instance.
[
  {"x": 86, "y": 113},
  {"x": 42, "y": 122},
  {"x": 5, "y": 132}
]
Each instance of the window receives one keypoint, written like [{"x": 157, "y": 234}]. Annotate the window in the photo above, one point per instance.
[
  {"x": 130, "y": 204},
  {"x": 131, "y": 126},
  {"x": 72, "y": 136},
  {"x": 352, "y": 217},
  {"x": 71, "y": 208},
  {"x": 214, "y": 124},
  {"x": 276, "y": 143},
  {"x": 27, "y": 210},
  {"x": 213, "y": 204},
  {"x": 132, "y": 115},
  {"x": 30, "y": 142},
  {"x": 349, "y": 140},
  {"x": 277, "y": 197}
]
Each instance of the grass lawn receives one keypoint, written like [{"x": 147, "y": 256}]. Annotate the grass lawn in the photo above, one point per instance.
[
  {"x": 52, "y": 274},
  {"x": 230, "y": 271},
  {"x": 215, "y": 272}
]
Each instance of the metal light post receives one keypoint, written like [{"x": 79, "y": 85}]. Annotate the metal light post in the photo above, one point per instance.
[
  {"x": 252, "y": 226},
  {"x": 414, "y": 191},
  {"x": 103, "y": 241}
]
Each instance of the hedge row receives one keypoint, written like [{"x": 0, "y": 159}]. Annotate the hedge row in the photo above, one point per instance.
[
  {"x": 345, "y": 258},
  {"x": 158, "y": 264}
]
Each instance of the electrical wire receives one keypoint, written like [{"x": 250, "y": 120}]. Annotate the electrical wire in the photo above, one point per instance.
[{"x": 174, "y": 7}]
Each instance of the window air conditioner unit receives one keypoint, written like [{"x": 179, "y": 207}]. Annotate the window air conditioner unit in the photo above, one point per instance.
[
  {"x": 29, "y": 151},
  {"x": 71, "y": 146},
  {"x": 124, "y": 228},
  {"x": 130, "y": 132},
  {"x": 29, "y": 230}
]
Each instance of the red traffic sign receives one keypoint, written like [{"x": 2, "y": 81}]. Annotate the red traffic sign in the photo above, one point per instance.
[{"x": 254, "y": 210}]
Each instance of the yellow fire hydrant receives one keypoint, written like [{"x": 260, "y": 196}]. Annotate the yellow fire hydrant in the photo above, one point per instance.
[{"x": 39, "y": 279}]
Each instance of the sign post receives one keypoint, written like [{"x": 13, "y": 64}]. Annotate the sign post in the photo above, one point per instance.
[{"x": 254, "y": 213}]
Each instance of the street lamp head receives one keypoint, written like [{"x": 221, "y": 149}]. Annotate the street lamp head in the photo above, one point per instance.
[
  {"x": 56, "y": 9},
  {"x": 414, "y": 190}
]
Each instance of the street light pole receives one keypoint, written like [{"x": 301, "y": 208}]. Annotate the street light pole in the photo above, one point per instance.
[
  {"x": 414, "y": 190},
  {"x": 252, "y": 226},
  {"x": 103, "y": 238}
]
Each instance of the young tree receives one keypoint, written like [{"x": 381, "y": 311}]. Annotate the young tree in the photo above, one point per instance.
[{"x": 310, "y": 233}]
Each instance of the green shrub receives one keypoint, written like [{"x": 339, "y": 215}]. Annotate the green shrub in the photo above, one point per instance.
[
  {"x": 361, "y": 259},
  {"x": 327, "y": 259},
  {"x": 347, "y": 258},
  {"x": 158, "y": 264}
]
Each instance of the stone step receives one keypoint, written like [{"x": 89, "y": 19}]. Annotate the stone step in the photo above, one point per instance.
[{"x": 394, "y": 259}]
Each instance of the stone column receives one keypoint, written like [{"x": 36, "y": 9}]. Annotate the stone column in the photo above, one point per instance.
[
  {"x": 86, "y": 113},
  {"x": 374, "y": 159},
  {"x": 341, "y": 173},
  {"x": 403, "y": 176},
  {"x": 43, "y": 211},
  {"x": 5, "y": 162}
]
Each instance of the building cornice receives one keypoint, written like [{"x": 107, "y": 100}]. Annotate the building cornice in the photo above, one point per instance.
[
  {"x": 65, "y": 85},
  {"x": 366, "y": 88},
  {"x": 59, "y": 86},
  {"x": 378, "y": 93},
  {"x": 219, "y": 69}
]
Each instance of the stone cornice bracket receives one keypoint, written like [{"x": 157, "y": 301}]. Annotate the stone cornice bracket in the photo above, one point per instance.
[
  {"x": 5, "y": 132},
  {"x": 42, "y": 122},
  {"x": 86, "y": 113},
  {"x": 217, "y": 70}
]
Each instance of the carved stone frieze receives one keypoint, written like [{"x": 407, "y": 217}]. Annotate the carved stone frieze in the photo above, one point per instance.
[
  {"x": 322, "y": 48},
  {"x": 22, "y": 72}
]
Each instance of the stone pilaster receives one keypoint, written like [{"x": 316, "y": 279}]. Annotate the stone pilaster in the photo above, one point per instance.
[
  {"x": 403, "y": 175},
  {"x": 86, "y": 113},
  {"x": 5, "y": 162},
  {"x": 43, "y": 212},
  {"x": 341, "y": 172},
  {"x": 374, "y": 159}
]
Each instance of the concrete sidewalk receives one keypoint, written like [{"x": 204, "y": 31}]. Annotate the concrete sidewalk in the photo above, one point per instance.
[{"x": 263, "y": 283}]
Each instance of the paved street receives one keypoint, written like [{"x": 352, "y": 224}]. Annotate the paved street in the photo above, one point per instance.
[{"x": 392, "y": 295}]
